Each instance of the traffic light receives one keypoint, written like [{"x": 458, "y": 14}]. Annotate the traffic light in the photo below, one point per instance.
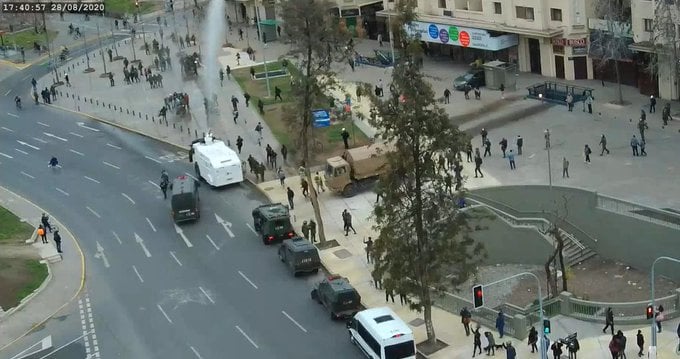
[
  {"x": 650, "y": 312},
  {"x": 478, "y": 296},
  {"x": 546, "y": 326}
]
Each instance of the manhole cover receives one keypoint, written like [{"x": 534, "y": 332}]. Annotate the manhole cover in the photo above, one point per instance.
[
  {"x": 268, "y": 188},
  {"x": 416, "y": 322},
  {"x": 342, "y": 253}
]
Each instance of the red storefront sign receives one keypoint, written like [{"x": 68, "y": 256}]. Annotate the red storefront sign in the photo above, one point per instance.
[{"x": 582, "y": 42}]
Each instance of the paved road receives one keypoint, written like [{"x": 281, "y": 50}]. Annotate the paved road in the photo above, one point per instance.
[{"x": 167, "y": 298}]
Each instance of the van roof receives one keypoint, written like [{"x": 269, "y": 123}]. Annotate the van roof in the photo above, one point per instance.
[
  {"x": 183, "y": 184},
  {"x": 299, "y": 244},
  {"x": 217, "y": 153},
  {"x": 383, "y": 322},
  {"x": 273, "y": 210}
]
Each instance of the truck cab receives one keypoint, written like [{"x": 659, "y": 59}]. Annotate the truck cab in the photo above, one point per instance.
[
  {"x": 349, "y": 173},
  {"x": 337, "y": 174},
  {"x": 272, "y": 222}
]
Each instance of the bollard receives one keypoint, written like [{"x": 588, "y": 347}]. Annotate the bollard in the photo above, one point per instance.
[
  {"x": 114, "y": 107},
  {"x": 173, "y": 125},
  {"x": 91, "y": 100},
  {"x": 195, "y": 133},
  {"x": 188, "y": 131},
  {"x": 97, "y": 102},
  {"x": 78, "y": 97},
  {"x": 152, "y": 120},
  {"x": 127, "y": 111},
  {"x": 67, "y": 95},
  {"x": 147, "y": 117},
  {"x": 121, "y": 109},
  {"x": 181, "y": 129},
  {"x": 140, "y": 114},
  {"x": 133, "y": 113}
]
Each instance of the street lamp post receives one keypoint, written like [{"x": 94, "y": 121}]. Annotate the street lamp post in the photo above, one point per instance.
[
  {"x": 49, "y": 52},
  {"x": 115, "y": 46},
  {"x": 653, "y": 324},
  {"x": 547, "y": 147},
  {"x": 134, "y": 53},
  {"x": 389, "y": 25},
  {"x": 542, "y": 347},
  {"x": 101, "y": 49},
  {"x": 264, "y": 48}
]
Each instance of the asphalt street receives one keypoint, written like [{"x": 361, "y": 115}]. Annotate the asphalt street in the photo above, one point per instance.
[{"x": 207, "y": 292}]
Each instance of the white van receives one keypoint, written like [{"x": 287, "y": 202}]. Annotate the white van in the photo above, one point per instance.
[
  {"x": 216, "y": 163},
  {"x": 381, "y": 334}
]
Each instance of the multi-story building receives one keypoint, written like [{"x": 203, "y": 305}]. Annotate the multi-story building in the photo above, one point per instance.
[{"x": 547, "y": 37}]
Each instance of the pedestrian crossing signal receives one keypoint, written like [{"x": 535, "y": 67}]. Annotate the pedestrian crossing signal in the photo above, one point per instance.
[
  {"x": 546, "y": 326},
  {"x": 478, "y": 296},
  {"x": 650, "y": 312}
]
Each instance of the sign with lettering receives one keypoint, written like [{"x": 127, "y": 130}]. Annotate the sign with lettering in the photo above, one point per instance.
[
  {"x": 560, "y": 41},
  {"x": 460, "y": 36}
]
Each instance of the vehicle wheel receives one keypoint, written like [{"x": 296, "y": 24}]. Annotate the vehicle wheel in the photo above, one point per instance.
[
  {"x": 281, "y": 257},
  {"x": 349, "y": 190},
  {"x": 264, "y": 240}
]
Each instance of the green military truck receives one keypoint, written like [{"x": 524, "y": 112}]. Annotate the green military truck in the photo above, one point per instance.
[
  {"x": 300, "y": 256},
  {"x": 272, "y": 222},
  {"x": 338, "y": 297}
]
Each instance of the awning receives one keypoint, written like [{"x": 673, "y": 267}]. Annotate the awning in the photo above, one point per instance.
[{"x": 269, "y": 22}]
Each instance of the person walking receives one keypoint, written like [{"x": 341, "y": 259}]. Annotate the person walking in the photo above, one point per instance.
[
  {"x": 239, "y": 143},
  {"x": 345, "y": 137},
  {"x": 305, "y": 230},
  {"x": 511, "y": 158},
  {"x": 476, "y": 341},
  {"x": 468, "y": 152},
  {"x": 500, "y": 324},
  {"x": 504, "y": 145},
  {"x": 556, "y": 348},
  {"x": 478, "y": 165},
  {"x": 164, "y": 184},
  {"x": 369, "y": 249},
  {"x": 533, "y": 339},
  {"x": 318, "y": 180},
  {"x": 603, "y": 145},
  {"x": 484, "y": 134},
  {"x": 347, "y": 221},
  {"x": 520, "y": 143},
  {"x": 642, "y": 148},
  {"x": 573, "y": 347},
  {"x": 614, "y": 347},
  {"x": 586, "y": 152},
  {"x": 41, "y": 233},
  {"x": 609, "y": 320},
  {"x": 659, "y": 317},
  {"x": 45, "y": 220},
  {"x": 57, "y": 240},
  {"x": 277, "y": 93},
  {"x": 641, "y": 342},
  {"x": 510, "y": 352},
  {"x": 589, "y": 102},
  {"x": 565, "y": 167},
  {"x": 284, "y": 152},
  {"x": 491, "y": 344},
  {"x": 487, "y": 147},
  {"x": 642, "y": 126},
  {"x": 465, "y": 318},
  {"x": 305, "y": 187},
  {"x": 502, "y": 88},
  {"x": 291, "y": 196},
  {"x": 312, "y": 230},
  {"x": 447, "y": 96},
  {"x": 666, "y": 114},
  {"x": 282, "y": 176},
  {"x": 622, "y": 344},
  {"x": 570, "y": 102},
  {"x": 546, "y": 136},
  {"x": 634, "y": 145},
  {"x": 652, "y": 104}
]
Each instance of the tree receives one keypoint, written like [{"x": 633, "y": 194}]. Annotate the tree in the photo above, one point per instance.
[
  {"x": 664, "y": 41},
  {"x": 316, "y": 41},
  {"x": 423, "y": 244},
  {"x": 609, "y": 43},
  {"x": 557, "y": 256}
]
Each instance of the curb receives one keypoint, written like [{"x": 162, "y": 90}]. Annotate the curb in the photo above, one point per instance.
[
  {"x": 33, "y": 294},
  {"x": 27, "y": 299}
]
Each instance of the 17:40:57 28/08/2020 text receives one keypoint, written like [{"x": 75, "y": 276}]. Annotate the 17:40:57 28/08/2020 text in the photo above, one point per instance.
[{"x": 19, "y": 7}]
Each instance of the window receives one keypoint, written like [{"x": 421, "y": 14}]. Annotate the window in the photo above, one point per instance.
[
  {"x": 442, "y": 4},
  {"x": 556, "y": 14},
  {"x": 648, "y": 24},
  {"x": 524, "y": 12},
  {"x": 497, "y": 8},
  {"x": 401, "y": 350},
  {"x": 368, "y": 338}
]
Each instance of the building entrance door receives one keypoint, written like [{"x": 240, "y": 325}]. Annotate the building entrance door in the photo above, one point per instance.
[
  {"x": 559, "y": 67},
  {"x": 535, "y": 56},
  {"x": 580, "y": 68}
]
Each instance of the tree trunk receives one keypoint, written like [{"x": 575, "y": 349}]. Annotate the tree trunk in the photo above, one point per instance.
[
  {"x": 618, "y": 81},
  {"x": 427, "y": 315},
  {"x": 552, "y": 278},
  {"x": 560, "y": 249},
  {"x": 548, "y": 277}
]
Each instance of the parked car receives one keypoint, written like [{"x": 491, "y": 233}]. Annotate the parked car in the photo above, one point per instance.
[
  {"x": 474, "y": 78},
  {"x": 337, "y": 296}
]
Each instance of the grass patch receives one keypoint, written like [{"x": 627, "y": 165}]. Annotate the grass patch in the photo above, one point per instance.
[
  {"x": 37, "y": 273},
  {"x": 27, "y": 37},
  {"x": 11, "y": 227},
  {"x": 327, "y": 141},
  {"x": 122, "y": 7}
]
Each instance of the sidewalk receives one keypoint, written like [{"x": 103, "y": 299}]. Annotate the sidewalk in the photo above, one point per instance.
[
  {"x": 64, "y": 283},
  {"x": 349, "y": 260}
]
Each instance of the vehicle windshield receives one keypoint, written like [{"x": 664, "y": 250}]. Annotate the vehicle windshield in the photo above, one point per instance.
[
  {"x": 400, "y": 351},
  {"x": 468, "y": 75}
]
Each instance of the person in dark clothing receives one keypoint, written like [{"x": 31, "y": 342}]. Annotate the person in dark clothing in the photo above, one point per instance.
[
  {"x": 622, "y": 344},
  {"x": 164, "y": 188},
  {"x": 487, "y": 147},
  {"x": 369, "y": 249},
  {"x": 491, "y": 345},
  {"x": 484, "y": 134},
  {"x": 277, "y": 93},
  {"x": 556, "y": 349},
  {"x": 447, "y": 96},
  {"x": 468, "y": 152},
  {"x": 239, "y": 143},
  {"x": 641, "y": 342},
  {"x": 42, "y": 234},
  {"x": 347, "y": 221},
  {"x": 246, "y": 96},
  {"x": 45, "y": 220},
  {"x": 284, "y": 152},
  {"x": 478, "y": 166},
  {"x": 652, "y": 104},
  {"x": 510, "y": 351},
  {"x": 465, "y": 317},
  {"x": 603, "y": 145},
  {"x": 57, "y": 240},
  {"x": 666, "y": 114},
  {"x": 609, "y": 320},
  {"x": 291, "y": 196},
  {"x": 573, "y": 347},
  {"x": 520, "y": 143},
  {"x": 500, "y": 324},
  {"x": 533, "y": 339},
  {"x": 345, "y": 137},
  {"x": 586, "y": 152},
  {"x": 477, "y": 342},
  {"x": 504, "y": 145}
]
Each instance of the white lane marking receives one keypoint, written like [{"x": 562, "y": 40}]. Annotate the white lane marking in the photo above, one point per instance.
[
  {"x": 28, "y": 145},
  {"x": 150, "y": 224},
  {"x": 7, "y": 129},
  {"x": 225, "y": 224},
  {"x": 6, "y": 155},
  {"x": 114, "y": 146},
  {"x": 138, "y": 275},
  {"x": 532, "y": 155},
  {"x": 93, "y": 212},
  {"x": 128, "y": 197},
  {"x": 153, "y": 159},
  {"x": 184, "y": 238},
  {"x": 251, "y": 228},
  {"x": 20, "y": 151},
  {"x": 90, "y": 316},
  {"x": 39, "y": 140},
  {"x": 188, "y": 174},
  {"x": 27, "y": 175},
  {"x": 91, "y": 179},
  {"x": 100, "y": 254},
  {"x": 75, "y": 134},
  {"x": 247, "y": 279},
  {"x": 111, "y": 165},
  {"x": 76, "y": 152},
  {"x": 206, "y": 295},
  {"x": 139, "y": 240},
  {"x": 175, "y": 258},
  {"x": 13, "y": 115},
  {"x": 55, "y": 136},
  {"x": 8, "y": 91},
  {"x": 196, "y": 353},
  {"x": 154, "y": 183},
  {"x": 82, "y": 124},
  {"x": 164, "y": 313},
  {"x": 25, "y": 77},
  {"x": 294, "y": 321},
  {"x": 247, "y": 337},
  {"x": 62, "y": 191},
  {"x": 213, "y": 243},
  {"x": 43, "y": 124},
  {"x": 117, "y": 238}
]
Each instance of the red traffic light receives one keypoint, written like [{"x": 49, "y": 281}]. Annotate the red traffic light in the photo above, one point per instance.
[
  {"x": 650, "y": 312},
  {"x": 478, "y": 296}
]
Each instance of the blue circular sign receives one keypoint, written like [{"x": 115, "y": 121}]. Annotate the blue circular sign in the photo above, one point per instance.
[
  {"x": 434, "y": 31},
  {"x": 443, "y": 36}
]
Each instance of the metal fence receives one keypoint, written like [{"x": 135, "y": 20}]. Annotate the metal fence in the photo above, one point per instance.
[{"x": 653, "y": 215}]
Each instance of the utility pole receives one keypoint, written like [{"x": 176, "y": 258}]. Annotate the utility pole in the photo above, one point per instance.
[
  {"x": 101, "y": 49},
  {"x": 264, "y": 48},
  {"x": 49, "y": 52},
  {"x": 547, "y": 147},
  {"x": 653, "y": 320}
]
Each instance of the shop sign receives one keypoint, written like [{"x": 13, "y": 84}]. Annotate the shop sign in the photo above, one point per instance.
[
  {"x": 560, "y": 41},
  {"x": 349, "y": 12},
  {"x": 460, "y": 36},
  {"x": 579, "y": 51}
]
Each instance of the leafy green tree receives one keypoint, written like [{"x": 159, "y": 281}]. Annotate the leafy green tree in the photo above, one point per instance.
[
  {"x": 317, "y": 41},
  {"x": 424, "y": 242}
]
